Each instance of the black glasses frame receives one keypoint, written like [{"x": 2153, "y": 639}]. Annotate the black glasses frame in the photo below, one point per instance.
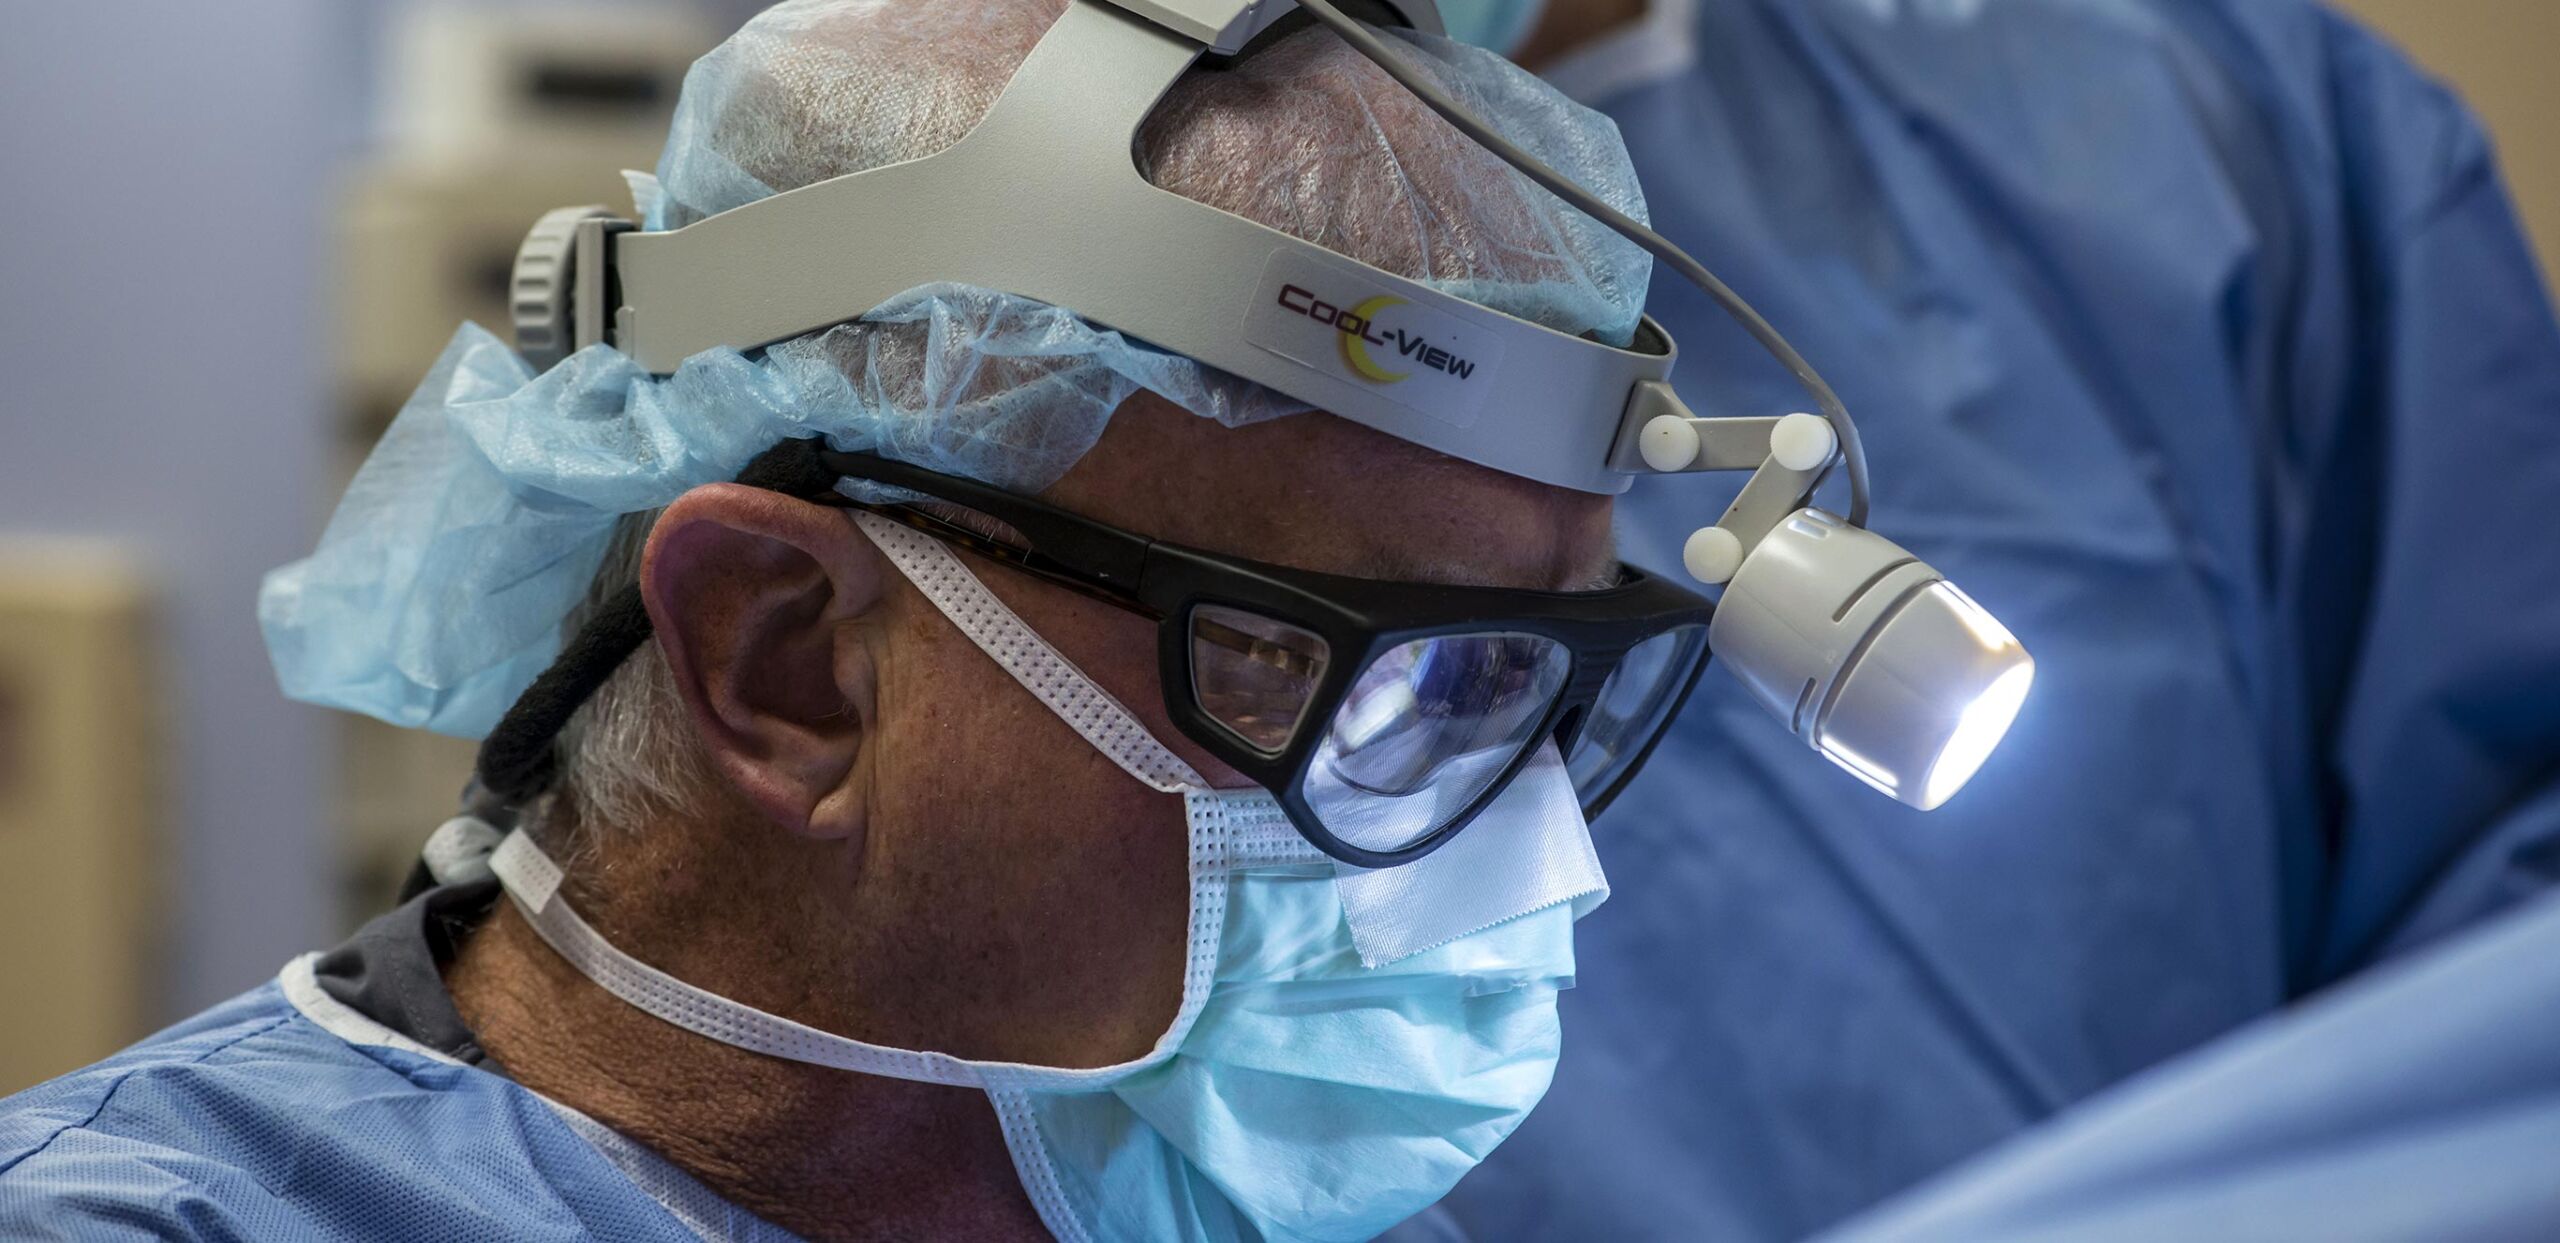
[{"x": 1359, "y": 619}]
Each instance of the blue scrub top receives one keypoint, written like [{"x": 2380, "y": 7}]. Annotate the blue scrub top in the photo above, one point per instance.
[
  {"x": 2421, "y": 1102},
  {"x": 298, "y": 1111},
  {"x": 253, "y": 1121},
  {"x": 2197, "y": 339}
]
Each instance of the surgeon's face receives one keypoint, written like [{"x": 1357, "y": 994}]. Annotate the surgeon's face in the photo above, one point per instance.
[
  {"x": 982, "y": 881},
  {"x": 1311, "y": 492}
]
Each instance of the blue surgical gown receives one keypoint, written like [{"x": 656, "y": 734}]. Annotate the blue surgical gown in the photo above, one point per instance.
[
  {"x": 277, "y": 1116},
  {"x": 2198, "y": 340},
  {"x": 2421, "y": 1102}
]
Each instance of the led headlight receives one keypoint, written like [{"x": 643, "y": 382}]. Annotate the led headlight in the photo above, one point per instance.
[{"x": 1871, "y": 656}]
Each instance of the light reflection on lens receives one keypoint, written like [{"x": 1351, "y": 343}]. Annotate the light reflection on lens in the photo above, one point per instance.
[
  {"x": 1633, "y": 707},
  {"x": 1426, "y": 728},
  {"x": 1254, "y": 675}
]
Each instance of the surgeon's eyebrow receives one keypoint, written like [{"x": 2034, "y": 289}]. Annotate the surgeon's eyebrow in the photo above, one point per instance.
[
  {"x": 974, "y": 522},
  {"x": 1390, "y": 564},
  {"x": 1602, "y": 579},
  {"x": 1402, "y": 565}
]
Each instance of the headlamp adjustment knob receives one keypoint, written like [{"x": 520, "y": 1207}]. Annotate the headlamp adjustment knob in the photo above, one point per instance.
[
  {"x": 541, "y": 294},
  {"x": 1669, "y": 443},
  {"x": 1803, "y": 441},
  {"x": 1712, "y": 556}
]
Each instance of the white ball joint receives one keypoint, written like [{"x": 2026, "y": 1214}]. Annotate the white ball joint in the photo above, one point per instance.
[
  {"x": 1803, "y": 441},
  {"x": 1668, "y": 443},
  {"x": 1712, "y": 556}
]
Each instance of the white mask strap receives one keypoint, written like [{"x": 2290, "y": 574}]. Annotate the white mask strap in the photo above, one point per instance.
[
  {"x": 1043, "y": 670},
  {"x": 1229, "y": 829},
  {"x": 1251, "y": 829},
  {"x": 533, "y": 881}
]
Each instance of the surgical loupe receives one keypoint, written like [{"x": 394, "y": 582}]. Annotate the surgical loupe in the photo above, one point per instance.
[{"x": 1866, "y": 653}]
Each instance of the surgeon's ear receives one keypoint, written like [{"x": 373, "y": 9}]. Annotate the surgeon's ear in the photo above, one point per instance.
[{"x": 753, "y": 595}]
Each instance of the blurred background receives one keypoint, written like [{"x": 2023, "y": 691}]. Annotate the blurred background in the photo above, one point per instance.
[{"x": 239, "y": 233}]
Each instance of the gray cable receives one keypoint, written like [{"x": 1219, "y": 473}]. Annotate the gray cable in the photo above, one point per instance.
[{"x": 1853, "y": 452}]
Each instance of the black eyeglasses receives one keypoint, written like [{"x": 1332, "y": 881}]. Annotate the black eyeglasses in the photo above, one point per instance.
[{"x": 1384, "y": 716}]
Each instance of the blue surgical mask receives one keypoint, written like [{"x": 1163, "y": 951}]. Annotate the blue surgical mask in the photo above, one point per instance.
[
  {"x": 1495, "y": 25},
  {"x": 1357, "y": 1043},
  {"x": 1313, "y": 1098},
  {"x": 1311, "y": 1085}
]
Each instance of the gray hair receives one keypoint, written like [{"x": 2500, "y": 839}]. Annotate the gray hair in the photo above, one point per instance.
[{"x": 629, "y": 756}]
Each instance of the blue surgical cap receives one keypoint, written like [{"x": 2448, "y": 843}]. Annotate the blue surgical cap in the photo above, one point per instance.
[{"x": 441, "y": 585}]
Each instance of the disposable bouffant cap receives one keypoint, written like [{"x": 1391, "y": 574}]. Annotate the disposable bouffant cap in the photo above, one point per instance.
[{"x": 441, "y": 585}]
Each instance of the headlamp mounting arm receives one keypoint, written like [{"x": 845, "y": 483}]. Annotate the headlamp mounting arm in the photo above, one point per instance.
[{"x": 1788, "y": 456}]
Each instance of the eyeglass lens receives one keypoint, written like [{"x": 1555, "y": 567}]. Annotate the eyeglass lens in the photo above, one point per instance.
[
  {"x": 1632, "y": 708},
  {"x": 1425, "y": 729}
]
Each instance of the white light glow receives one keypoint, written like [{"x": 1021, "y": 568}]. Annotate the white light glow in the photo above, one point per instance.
[
  {"x": 1978, "y": 732},
  {"x": 1859, "y": 766},
  {"x": 1986, "y": 629},
  {"x": 1374, "y": 711}
]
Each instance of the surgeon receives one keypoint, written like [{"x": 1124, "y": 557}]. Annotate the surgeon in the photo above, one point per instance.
[
  {"x": 881, "y": 883},
  {"x": 2208, "y": 353}
]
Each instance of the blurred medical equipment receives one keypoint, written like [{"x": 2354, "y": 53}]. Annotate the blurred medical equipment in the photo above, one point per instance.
[
  {"x": 489, "y": 115},
  {"x": 80, "y": 804},
  {"x": 1865, "y": 652}
]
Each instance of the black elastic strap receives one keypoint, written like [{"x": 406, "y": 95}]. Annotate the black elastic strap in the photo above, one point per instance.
[
  {"x": 517, "y": 760},
  {"x": 794, "y": 468}
]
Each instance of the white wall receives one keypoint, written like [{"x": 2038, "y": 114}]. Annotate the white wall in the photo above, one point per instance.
[
  {"x": 2498, "y": 53},
  {"x": 162, "y": 163},
  {"x": 166, "y": 167}
]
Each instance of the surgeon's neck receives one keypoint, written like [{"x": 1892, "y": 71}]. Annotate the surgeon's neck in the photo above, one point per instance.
[
  {"x": 826, "y": 1154},
  {"x": 1570, "y": 24}
]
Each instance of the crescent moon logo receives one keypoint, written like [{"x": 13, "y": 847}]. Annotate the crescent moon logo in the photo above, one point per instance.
[{"x": 1355, "y": 349}]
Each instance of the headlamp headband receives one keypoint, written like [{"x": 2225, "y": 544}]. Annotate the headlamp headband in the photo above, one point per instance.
[
  {"x": 1365, "y": 344},
  {"x": 1906, "y": 672}
]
